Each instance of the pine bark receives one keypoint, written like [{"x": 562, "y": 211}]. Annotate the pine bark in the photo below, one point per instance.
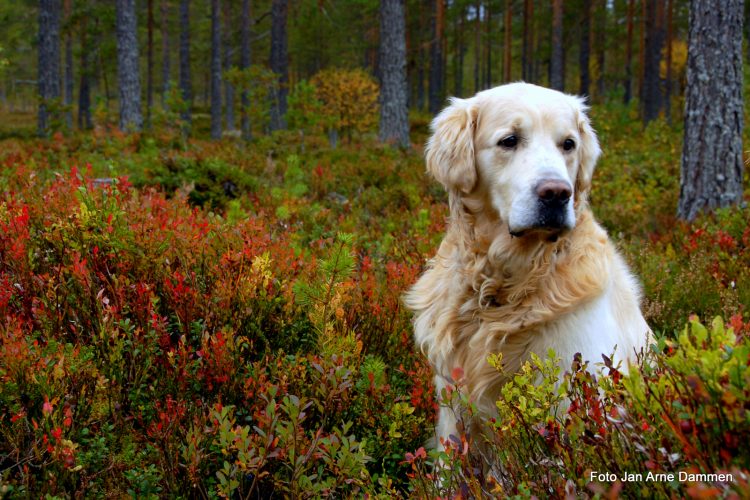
[
  {"x": 527, "y": 54},
  {"x": 245, "y": 56},
  {"x": 186, "y": 86},
  {"x": 149, "y": 59},
  {"x": 668, "y": 80},
  {"x": 215, "y": 69},
  {"x": 507, "y": 44},
  {"x": 128, "y": 72},
  {"x": 436, "y": 58},
  {"x": 458, "y": 75},
  {"x": 584, "y": 54},
  {"x": 68, "y": 84},
  {"x": 165, "y": 51},
  {"x": 628, "y": 81},
  {"x": 477, "y": 44},
  {"x": 488, "y": 47},
  {"x": 556, "y": 68},
  {"x": 601, "y": 45},
  {"x": 394, "y": 116},
  {"x": 712, "y": 167},
  {"x": 84, "y": 88},
  {"x": 228, "y": 50},
  {"x": 279, "y": 63},
  {"x": 651, "y": 94},
  {"x": 49, "y": 61},
  {"x": 642, "y": 49}
]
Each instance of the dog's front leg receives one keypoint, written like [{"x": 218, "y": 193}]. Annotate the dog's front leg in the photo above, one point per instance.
[{"x": 447, "y": 424}]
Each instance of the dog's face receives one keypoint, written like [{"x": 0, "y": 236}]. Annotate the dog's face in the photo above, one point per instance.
[{"x": 530, "y": 150}]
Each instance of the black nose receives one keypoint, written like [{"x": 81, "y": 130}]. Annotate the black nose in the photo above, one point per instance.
[{"x": 554, "y": 191}]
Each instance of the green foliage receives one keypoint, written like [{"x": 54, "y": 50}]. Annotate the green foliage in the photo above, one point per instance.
[
  {"x": 194, "y": 319},
  {"x": 168, "y": 119},
  {"x": 680, "y": 411},
  {"x": 323, "y": 297},
  {"x": 305, "y": 111},
  {"x": 259, "y": 83},
  {"x": 349, "y": 100}
]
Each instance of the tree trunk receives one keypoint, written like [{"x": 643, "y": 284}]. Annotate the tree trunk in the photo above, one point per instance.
[
  {"x": 668, "y": 82},
  {"x": 420, "y": 57},
  {"x": 49, "y": 61},
  {"x": 556, "y": 69},
  {"x": 165, "y": 56},
  {"x": 527, "y": 54},
  {"x": 186, "y": 86},
  {"x": 711, "y": 170},
  {"x": 244, "y": 64},
  {"x": 507, "y": 49},
  {"x": 215, "y": 69},
  {"x": 68, "y": 86},
  {"x": 149, "y": 59},
  {"x": 394, "y": 114},
  {"x": 228, "y": 87},
  {"x": 601, "y": 44},
  {"x": 279, "y": 63},
  {"x": 642, "y": 49},
  {"x": 651, "y": 97},
  {"x": 584, "y": 55},
  {"x": 84, "y": 89},
  {"x": 477, "y": 44},
  {"x": 628, "y": 82},
  {"x": 128, "y": 72},
  {"x": 488, "y": 47},
  {"x": 458, "y": 75},
  {"x": 436, "y": 58}
]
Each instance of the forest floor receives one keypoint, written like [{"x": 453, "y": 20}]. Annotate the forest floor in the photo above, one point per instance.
[{"x": 197, "y": 318}]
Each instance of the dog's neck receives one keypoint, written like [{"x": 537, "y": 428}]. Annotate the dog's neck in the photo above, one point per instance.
[
  {"x": 501, "y": 268},
  {"x": 484, "y": 234}
]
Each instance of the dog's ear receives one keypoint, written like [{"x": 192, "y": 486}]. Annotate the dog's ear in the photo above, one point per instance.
[
  {"x": 450, "y": 150},
  {"x": 589, "y": 151}
]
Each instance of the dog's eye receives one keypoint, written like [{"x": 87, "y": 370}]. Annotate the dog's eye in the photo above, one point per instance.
[
  {"x": 569, "y": 144},
  {"x": 509, "y": 142}
]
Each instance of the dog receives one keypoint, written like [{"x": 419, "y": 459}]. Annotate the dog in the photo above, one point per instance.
[{"x": 523, "y": 266}]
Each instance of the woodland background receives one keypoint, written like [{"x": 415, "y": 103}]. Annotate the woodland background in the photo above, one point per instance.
[{"x": 210, "y": 210}]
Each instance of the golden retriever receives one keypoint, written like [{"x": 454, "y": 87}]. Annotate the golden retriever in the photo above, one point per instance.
[{"x": 523, "y": 266}]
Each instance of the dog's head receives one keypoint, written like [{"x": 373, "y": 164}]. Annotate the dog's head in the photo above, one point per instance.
[{"x": 530, "y": 151}]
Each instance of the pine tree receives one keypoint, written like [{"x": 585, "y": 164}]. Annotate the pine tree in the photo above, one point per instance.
[
  {"x": 711, "y": 170},
  {"x": 128, "y": 71},
  {"x": 215, "y": 70},
  {"x": 245, "y": 19},
  {"x": 186, "y": 85},
  {"x": 49, "y": 61},
  {"x": 394, "y": 119},
  {"x": 556, "y": 69},
  {"x": 279, "y": 63}
]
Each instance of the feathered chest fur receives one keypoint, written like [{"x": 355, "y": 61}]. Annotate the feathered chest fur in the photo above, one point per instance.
[{"x": 495, "y": 298}]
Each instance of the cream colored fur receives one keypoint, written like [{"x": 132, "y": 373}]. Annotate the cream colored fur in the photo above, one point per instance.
[{"x": 487, "y": 291}]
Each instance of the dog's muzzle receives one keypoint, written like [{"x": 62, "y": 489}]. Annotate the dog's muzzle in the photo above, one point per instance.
[{"x": 553, "y": 196}]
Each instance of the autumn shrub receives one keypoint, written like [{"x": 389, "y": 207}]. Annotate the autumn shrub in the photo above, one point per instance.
[
  {"x": 681, "y": 411},
  {"x": 349, "y": 101},
  {"x": 702, "y": 268},
  {"x": 132, "y": 313},
  {"x": 185, "y": 317}
]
